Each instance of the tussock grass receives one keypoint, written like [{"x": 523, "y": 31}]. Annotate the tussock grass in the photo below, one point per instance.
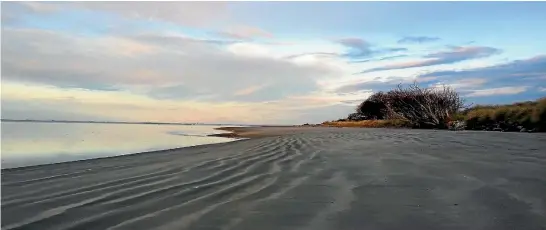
[{"x": 530, "y": 115}]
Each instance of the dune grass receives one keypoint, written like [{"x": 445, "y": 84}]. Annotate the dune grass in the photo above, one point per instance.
[{"x": 530, "y": 115}]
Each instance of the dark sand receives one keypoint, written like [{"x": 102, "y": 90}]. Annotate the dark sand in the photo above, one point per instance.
[{"x": 310, "y": 178}]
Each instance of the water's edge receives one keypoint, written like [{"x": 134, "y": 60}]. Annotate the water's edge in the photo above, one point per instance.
[
  {"x": 130, "y": 154},
  {"x": 123, "y": 155}
]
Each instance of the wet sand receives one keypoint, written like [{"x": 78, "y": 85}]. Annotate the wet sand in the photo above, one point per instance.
[
  {"x": 295, "y": 178},
  {"x": 259, "y": 132}
]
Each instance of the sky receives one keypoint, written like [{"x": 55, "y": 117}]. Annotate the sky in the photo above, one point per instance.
[{"x": 259, "y": 62}]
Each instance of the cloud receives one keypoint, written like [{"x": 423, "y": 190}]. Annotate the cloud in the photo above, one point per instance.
[
  {"x": 245, "y": 33},
  {"x": 35, "y": 101},
  {"x": 184, "y": 13},
  {"x": 324, "y": 54},
  {"x": 72, "y": 61},
  {"x": 456, "y": 54},
  {"x": 13, "y": 11},
  {"x": 126, "y": 106},
  {"x": 389, "y": 50},
  {"x": 40, "y": 7},
  {"x": 464, "y": 83},
  {"x": 174, "y": 40},
  {"x": 156, "y": 64},
  {"x": 376, "y": 84},
  {"x": 354, "y": 102},
  {"x": 45, "y": 110},
  {"x": 512, "y": 78},
  {"x": 131, "y": 77},
  {"x": 497, "y": 91},
  {"x": 392, "y": 57},
  {"x": 501, "y": 83},
  {"x": 459, "y": 53},
  {"x": 417, "y": 39},
  {"x": 249, "y": 90},
  {"x": 316, "y": 115},
  {"x": 359, "y": 48},
  {"x": 529, "y": 71},
  {"x": 178, "y": 92},
  {"x": 196, "y": 14},
  {"x": 380, "y": 59},
  {"x": 249, "y": 49}
]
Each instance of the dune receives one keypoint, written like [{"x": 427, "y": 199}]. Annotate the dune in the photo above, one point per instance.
[{"x": 295, "y": 178}]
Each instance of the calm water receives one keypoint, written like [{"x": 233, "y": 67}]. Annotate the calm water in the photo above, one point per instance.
[{"x": 29, "y": 143}]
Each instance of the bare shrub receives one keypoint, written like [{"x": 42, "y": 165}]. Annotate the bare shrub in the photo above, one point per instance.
[
  {"x": 423, "y": 107},
  {"x": 374, "y": 107}
]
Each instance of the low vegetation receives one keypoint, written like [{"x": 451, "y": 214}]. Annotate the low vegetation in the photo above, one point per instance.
[
  {"x": 442, "y": 108},
  {"x": 369, "y": 124},
  {"x": 529, "y": 115}
]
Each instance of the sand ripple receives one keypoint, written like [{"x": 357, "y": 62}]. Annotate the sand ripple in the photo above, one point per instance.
[{"x": 317, "y": 178}]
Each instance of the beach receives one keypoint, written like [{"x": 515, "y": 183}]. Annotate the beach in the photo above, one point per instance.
[{"x": 295, "y": 178}]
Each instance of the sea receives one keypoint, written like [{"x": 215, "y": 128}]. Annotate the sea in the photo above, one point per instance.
[{"x": 36, "y": 143}]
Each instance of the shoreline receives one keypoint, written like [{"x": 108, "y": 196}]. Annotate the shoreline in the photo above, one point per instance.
[
  {"x": 255, "y": 132},
  {"x": 120, "y": 156},
  {"x": 236, "y": 134},
  {"x": 248, "y": 132}
]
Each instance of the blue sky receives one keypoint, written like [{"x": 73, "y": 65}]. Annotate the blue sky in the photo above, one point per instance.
[{"x": 260, "y": 62}]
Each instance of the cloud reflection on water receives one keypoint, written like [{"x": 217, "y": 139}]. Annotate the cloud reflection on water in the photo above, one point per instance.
[{"x": 28, "y": 143}]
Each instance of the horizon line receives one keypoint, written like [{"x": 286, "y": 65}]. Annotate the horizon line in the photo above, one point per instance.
[{"x": 117, "y": 122}]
